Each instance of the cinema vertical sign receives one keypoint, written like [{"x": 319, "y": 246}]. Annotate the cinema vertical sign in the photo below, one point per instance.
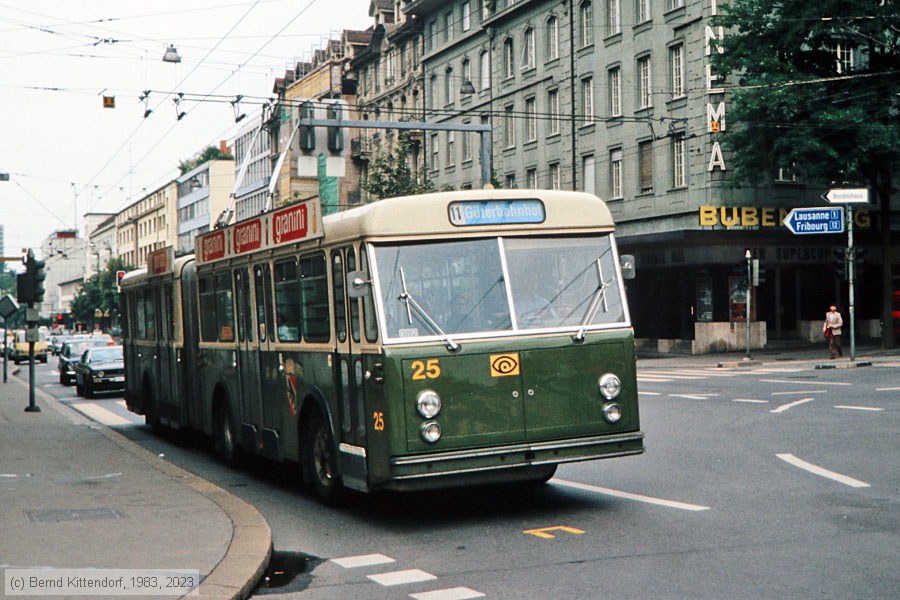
[
  {"x": 715, "y": 94},
  {"x": 291, "y": 224}
]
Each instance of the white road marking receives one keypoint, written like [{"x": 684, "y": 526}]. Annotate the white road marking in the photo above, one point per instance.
[
  {"x": 674, "y": 376},
  {"x": 789, "y": 405},
  {"x": 707, "y": 373},
  {"x": 458, "y": 593},
  {"x": 401, "y": 577},
  {"x": 652, "y": 379},
  {"x": 890, "y": 389},
  {"x": 800, "y": 393},
  {"x": 872, "y": 408},
  {"x": 802, "y": 464},
  {"x": 804, "y": 382},
  {"x": 643, "y": 393},
  {"x": 751, "y": 400},
  {"x": 100, "y": 414},
  {"x": 362, "y": 560},
  {"x": 693, "y": 396},
  {"x": 628, "y": 496}
]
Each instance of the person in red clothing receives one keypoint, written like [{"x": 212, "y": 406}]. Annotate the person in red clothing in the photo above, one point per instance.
[{"x": 832, "y": 330}]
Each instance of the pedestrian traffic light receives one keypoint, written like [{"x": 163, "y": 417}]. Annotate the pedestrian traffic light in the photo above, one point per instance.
[
  {"x": 335, "y": 133},
  {"x": 307, "y": 133}
]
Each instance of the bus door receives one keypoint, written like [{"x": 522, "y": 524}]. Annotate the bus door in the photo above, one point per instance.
[
  {"x": 248, "y": 361},
  {"x": 347, "y": 363},
  {"x": 167, "y": 357}
]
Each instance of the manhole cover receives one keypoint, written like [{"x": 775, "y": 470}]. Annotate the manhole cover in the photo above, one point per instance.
[{"x": 56, "y": 515}]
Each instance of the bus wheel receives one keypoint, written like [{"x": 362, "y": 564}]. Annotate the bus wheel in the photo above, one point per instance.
[
  {"x": 226, "y": 441},
  {"x": 150, "y": 407},
  {"x": 321, "y": 464}
]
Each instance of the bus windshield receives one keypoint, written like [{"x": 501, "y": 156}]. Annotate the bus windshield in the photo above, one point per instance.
[{"x": 447, "y": 288}]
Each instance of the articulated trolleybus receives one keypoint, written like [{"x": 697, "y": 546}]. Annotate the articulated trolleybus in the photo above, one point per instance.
[{"x": 437, "y": 340}]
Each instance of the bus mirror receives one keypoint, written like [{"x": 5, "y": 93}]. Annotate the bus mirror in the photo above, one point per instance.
[
  {"x": 627, "y": 263},
  {"x": 357, "y": 284}
]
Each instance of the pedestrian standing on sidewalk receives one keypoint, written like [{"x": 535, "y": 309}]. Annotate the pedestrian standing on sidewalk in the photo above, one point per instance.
[{"x": 832, "y": 330}]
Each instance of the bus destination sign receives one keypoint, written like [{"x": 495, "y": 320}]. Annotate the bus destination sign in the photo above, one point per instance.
[
  {"x": 296, "y": 223},
  {"x": 159, "y": 262},
  {"x": 496, "y": 212}
]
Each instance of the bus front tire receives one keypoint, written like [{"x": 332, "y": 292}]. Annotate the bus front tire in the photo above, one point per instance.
[
  {"x": 320, "y": 460},
  {"x": 226, "y": 439}
]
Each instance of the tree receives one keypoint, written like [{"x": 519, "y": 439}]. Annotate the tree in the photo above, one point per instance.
[
  {"x": 816, "y": 91},
  {"x": 207, "y": 154},
  {"x": 98, "y": 292},
  {"x": 390, "y": 175}
]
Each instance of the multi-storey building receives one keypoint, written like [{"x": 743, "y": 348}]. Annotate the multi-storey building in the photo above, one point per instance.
[
  {"x": 253, "y": 147},
  {"x": 148, "y": 224},
  {"x": 620, "y": 98},
  {"x": 100, "y": 232},
  {"x": 204, "y": 193},
  {"x": 64, "y": 254}
]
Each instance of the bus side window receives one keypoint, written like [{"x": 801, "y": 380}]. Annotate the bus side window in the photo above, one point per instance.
[
  {"x": 260, "y": 284},
  {"x": 368, "y": 300},
  {"x": 354, "y": 302},
  {"x": 224, "y": 307},
  {"x": 140, "y": 324},
  {"x": 150, "y": 315},
  {"x": 314, "y": 291},
  {"x": 340, "y": 306},
  {"x": 208, "y": 331},
  {"x": 287, "y": 301},
  {"x": 242, "y": 298}
]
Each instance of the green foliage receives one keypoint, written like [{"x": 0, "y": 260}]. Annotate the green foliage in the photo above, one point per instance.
[
  {"x": 792, "y": 108},
  {"x": 390, "y": 175},
  {"x": 100, "y": 291},
  {"x": 207, "y": 154}
]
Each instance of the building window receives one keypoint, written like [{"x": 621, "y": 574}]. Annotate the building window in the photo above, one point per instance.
[
  {"x": 510, "y": 181},
  {"x": 451, "y": 153},
  {"x": 466, "y": 71},
  {"x": 586, "y": 23},
  {"x": 552, "y": 38},
  {"x": 615, "y": 173},
  {"x": 844, "y": 58},
  {"x": 433, "y": 91},
  {"x": 449, "y": 87},
  {"x": 676, "y": 64},
  {"x": 673, "y": 4},
  {"x": 590, "y": 177},
  {"x": 466, "y": 16},
  {"x": 466, "y": 146},
  {"x": 613, "y": 17},
  {"x": 448, "y": 26},
  {"x": 587, "y": 100},
  {"x": 509, "y": 125},
  {"x": 614, "y": 81},
  {"x": 679, "y": 161},
  {"x": 435, "y": 152},
  {"x": 643, "y": 11},
  {"x": 553, "y": 110},
  {"x": 485, "y": 67},
  {"x": 530, "y": 120},
  {"x": 645, "y": 96},
  {"x": 432, "y": 36},
  {"x": 509, "y": 59},
  {"x": 531, "y": 179},
  {"x": 528, "y": 49},
  {"x": 553, "y": 180},
  {"x": 645, "y": 167}
]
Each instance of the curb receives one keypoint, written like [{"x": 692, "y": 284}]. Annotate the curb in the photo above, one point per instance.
[
  {"x": 739, "y": 363},
  {"x": 247, "y": 558},
  {"x": 845, "y": 365}
]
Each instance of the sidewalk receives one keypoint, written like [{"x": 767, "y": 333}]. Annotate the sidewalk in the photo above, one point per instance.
[
  {"x": 778, "y": 353},
  {"x": 75, "y": 494}
]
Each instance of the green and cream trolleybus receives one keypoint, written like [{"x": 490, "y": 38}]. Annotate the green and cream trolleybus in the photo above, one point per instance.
[{"x": 416, "y": 342}]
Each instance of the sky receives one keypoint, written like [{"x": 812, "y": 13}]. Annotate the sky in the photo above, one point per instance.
[{"x": 67, "y": 155}]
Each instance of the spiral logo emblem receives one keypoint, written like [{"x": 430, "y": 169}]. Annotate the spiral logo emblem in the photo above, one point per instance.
[{"x": 504, "y": 365}]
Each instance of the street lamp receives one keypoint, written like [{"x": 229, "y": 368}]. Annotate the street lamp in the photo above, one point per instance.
[
  {"x": 171, "y": 55},
  {"x": 748, "y": 255}
]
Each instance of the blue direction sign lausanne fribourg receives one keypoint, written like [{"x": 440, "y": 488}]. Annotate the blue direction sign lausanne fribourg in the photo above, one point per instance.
[{"x": 806, "y": 221}]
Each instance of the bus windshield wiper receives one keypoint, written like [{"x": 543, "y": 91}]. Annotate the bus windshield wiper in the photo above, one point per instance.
[
  {"x": 411, "y": 303},
  {"x": 599, "y": 294}
]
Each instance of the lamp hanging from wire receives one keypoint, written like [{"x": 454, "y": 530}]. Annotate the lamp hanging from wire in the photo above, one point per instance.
[{"x": 171, "y": 55}]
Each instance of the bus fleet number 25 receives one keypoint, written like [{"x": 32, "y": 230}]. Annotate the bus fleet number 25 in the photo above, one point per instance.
[{"x": 426, "y": 369}]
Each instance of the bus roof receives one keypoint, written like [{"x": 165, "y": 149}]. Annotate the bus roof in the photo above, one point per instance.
[
  {"x": 430, "y": 214},
  {"x": 139, "y": 276}
]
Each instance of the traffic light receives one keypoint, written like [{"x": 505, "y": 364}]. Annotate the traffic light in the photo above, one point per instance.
[
  {"x": 335, "y": 133},
  {"x": 840, "y": 262},
  {"x": 30, "y": 284},
  {"x": 307, "y": 133},
  {"x": 119, "y": 276}
]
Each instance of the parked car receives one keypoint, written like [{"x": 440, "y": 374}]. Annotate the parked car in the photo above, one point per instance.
[
  {"x": 71, "y": 353},
  {"x": 101, "y": 368}
]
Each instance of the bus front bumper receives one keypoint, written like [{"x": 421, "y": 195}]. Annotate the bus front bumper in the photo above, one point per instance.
[{"x": 505, "y": 463}]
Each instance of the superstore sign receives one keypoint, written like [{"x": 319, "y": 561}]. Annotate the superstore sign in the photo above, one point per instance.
[{"x": 295, "y": 223}]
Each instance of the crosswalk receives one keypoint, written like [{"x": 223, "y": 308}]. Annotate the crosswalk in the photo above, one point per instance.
[
  {"x": 697, "y": 374},
  {"x": 403, "y": 577}
]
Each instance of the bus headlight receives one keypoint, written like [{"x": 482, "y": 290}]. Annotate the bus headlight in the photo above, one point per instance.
[
  {"x": 431, "y": 431},
  {"x": 612, "y": 412},
  {"x": 610, "y": 386},
  {"x": 428, "y": 403}
]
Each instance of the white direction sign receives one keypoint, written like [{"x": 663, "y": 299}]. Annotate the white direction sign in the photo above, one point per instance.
[
  {"x": 807, "y": 221},
  {"x": 847, "y": 196}
]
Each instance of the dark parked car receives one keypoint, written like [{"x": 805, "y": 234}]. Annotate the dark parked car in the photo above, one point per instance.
[
  {"x": 71, "y": 353},
  {"x": 100, "y": 369}
]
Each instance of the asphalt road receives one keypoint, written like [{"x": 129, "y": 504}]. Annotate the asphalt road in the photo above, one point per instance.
[{"x": 761, "y": 482}]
